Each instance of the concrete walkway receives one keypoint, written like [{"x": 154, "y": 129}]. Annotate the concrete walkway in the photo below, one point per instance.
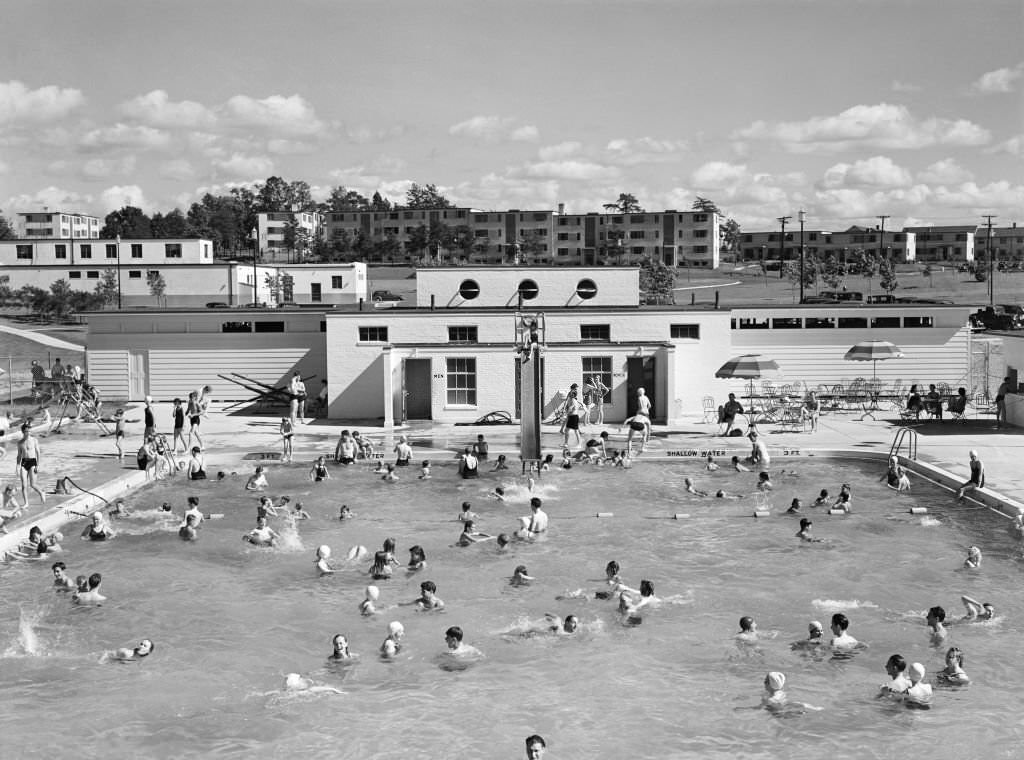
[
  {"x": 44, "y": 340},
  {"x": 234, "y": 442}
]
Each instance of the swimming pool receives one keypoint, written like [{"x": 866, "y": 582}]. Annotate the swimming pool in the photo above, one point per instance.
[{"x": 230, "y": 620}]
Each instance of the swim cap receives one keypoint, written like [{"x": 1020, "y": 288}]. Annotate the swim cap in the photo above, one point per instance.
[
  {"x": 372, "y": 593},
  {"x": 916, "y": 671},
  {"x": 395, "y": 627},
  {"x": 324, "y": 551},
  {"x": 775, "y": 680},
  {"x": 816, "y": 625},
  {"x": 973, "y": 452},
  {"x": 357, "y": 552},
  {"x": 294, "y": 681}
]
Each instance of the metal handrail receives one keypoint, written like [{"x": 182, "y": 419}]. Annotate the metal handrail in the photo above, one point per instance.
[{"x": 911, "y": 439}]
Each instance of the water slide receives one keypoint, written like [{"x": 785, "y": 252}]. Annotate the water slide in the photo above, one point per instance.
[{"x": 531, "y": 404}]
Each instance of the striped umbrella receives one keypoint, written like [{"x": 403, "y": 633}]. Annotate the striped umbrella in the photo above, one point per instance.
[
  {"x": 748, "y": 367},
  {"x": 873, "y": 351}
]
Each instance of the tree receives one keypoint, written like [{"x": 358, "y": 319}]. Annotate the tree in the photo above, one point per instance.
[
  {"x": 730, "y": 236},
  {"x": 887, "y": 275},
  {"x": 417, "y": 241},
  {"x": 928, "y": 272},
  {"x": 157, "y": 285},
  {"x": 343, "y": 199},
  {"x": 425, "y": 196},
  {"x": 531, "y": 248},
  {"x": 832, "y": 272},
  {"x": 107, "y": 289},
  {"x": 275, "y": 284},
  {"x": 656, "y": 281},
  {"x": 867, "y": 264},
  {"x": 128, "y": 222},
  {"x": 626, "y": 204},
  {"x": 706, "y": 205},
  {"x": 6, "y": 231},
  {"x": 173, "y": 224},
  {"x": 273, "y": 195},
  {"x": 59, "y": 302},
  {"x": 379, "y": 203}
]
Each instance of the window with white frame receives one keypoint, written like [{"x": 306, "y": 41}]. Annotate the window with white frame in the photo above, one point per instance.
[
  {"x": 373, "y": 334},
  {"x": 599, "y": 366},
  {"x": 461, "y": 378},
  {"x": 462, "y": 334}
]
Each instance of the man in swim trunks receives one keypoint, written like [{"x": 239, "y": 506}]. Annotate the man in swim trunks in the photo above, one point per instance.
[
  {"x": 453, "y": 638},
  {"x": 538, "y": 518},
  {"x": 638, "y": 423},
  {"x": 92, "y": 595},
  {"x": 977, "y": 611},
  {"x": 27, "y": 464},
  {"x": 840, "y": 638},
  {"x": 935, "y": 618},
  {"x": 428, "y": 598},
  {"x": 403, "y": 452},
  {"x": 895, "y": 667},
  {"x": 535, "y": 747},
  {"x": 758, "y": 451},
  {"x": 573, "y": 409},
  {"x": 187, "y": 532},
  {"x": 262, "y": 534}
]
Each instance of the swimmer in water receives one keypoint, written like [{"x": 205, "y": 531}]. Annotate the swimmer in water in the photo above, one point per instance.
[
  {"x": 144, "y": 649},
  {"x": 775, "y": 699},
  {"x": 815, "y": 637},
  {"x": 934, "y": 619},
  {"x": 498, "y": 494},
  {"x": 822, "y": 499},
  {"x": 976, "y": 611},
  {"x": 501, "y": 464},
  {"x": 322, "y": 561},
  {"x": 367, "y": 607},
  {"x": 92, "y": 595},
  {"x": 520, "y": 577},
  {"x": 390, "y": 476},
  {"x": 764, "y": 482},
  {"x": 428, "y": 598},
  {"x": 392, "y": 645},
  {"x": 318, "y": 473},
  {"x": 794, "y": 509},
  {"x": 417, "y": 559},
  {"x": 804, "y": 534},
  {"x": 188, "y": 532},
  {"x": 456, "y": 646},
  {"x": 840, "y": 638},
  {"x": 61, "y": 580},
  {"x": 738, "y": 465},
  {"x": 953, "y": 673},
  {"x": 920, "y": 693},
  {"x": 845, "y": 499},
  {"x": 381, "y": 568},
  {"x": 720, "y": 494},
  {"x": 99, "y": 530},
  {"x": 711, "y": 466},
  {"x": 425, "y": 470},
  {"x": 466, "y": 514},
  {"x": 690, "y": 488},
  {"x": 895, "y": 476},
  {"x": 262, "y": 534},
  {"x": 503, "y": 541},
  {"x": 896, "y": 669},
  {"x": 345, "y": 513},
  {"x": 258, "y": 480},
  {"x": 471, "y": 536},
  {"x": 973, "y": 557},
  {"x": 748, "y": 630},
  {"x": 340, "y": 653},
  {"x": 293, "y": 682},
  {"x": 631, "y": 608}
]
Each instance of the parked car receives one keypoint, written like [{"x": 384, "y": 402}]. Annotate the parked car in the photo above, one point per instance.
[
  {"x": 216, "y": 305},
  {"x": 819, "y": 299},
  {"x": 994, "y": 318},
  {"x": 385, "y": 295},
  {"x": 882, "y": 298}
]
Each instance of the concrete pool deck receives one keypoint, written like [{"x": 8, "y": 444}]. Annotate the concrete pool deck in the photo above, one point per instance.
[{"x": 234, "y": 442}]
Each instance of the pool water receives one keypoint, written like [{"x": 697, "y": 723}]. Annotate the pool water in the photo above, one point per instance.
[{"x": 230, "y": 620}]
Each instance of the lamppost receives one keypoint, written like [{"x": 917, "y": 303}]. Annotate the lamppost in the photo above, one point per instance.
[
  {"x": 764, "y": 264},
  {"x": 118, "y": 245},
  {"x": 255, "y": 235},
  {"x": 801, "y": 216}
]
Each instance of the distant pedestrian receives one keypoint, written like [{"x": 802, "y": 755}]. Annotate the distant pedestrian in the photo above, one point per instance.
[
  {"x": 150, "y": 420},
  {"x": 1004, "y": 388}
]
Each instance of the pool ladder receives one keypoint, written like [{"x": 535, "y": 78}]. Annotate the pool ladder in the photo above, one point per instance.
[{"x": 909, "y": 436}]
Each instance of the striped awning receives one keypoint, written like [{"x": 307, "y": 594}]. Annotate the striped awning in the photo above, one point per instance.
[
  {"x": 747, "y": 367},
  {"x": 873, "y": 351}
]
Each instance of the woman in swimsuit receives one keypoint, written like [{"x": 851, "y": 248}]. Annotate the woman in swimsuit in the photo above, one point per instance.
[
  {"x": 196, "y": 465},
  {"x": 319, "y": 472},
  {"x": 194, "y": 413},
  {"x": 98, "y": 530},
  {"x": 286, "y": 432}
]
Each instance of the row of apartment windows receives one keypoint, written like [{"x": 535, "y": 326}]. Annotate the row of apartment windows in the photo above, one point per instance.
[
  {"x": 94, "y": 274},
  {"x": 469, "y": 333},
  {"x": 829, "y": 323},
  {"x": 60, "y": 251}
]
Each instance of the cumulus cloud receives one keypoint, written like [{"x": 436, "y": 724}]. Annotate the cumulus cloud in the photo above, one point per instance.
[
  {"x": 157, "y": 109},
  {"x": 497, "y": 191},
  {"x": 102, "y": 168},
  {"x": 50, "y": 197},
  {"x": 240, "y": 165},
  {"x": 718, "y": 174},
  {"x": 879, "y": 126},
  {"x": 494, "y": 129},
  {"x": 117, "y": 196},
  {"x": 559, "y": 151},
  {"x": 944, "y": 172},
  {"x": 644, "y": 150},
  {"x": 898, "y": 86},
  {"x": 177, "y": 169},
  {"x": 1013, "y": 146},
  {"x": 998, "y": 81},
  {"x": 282, "y": 147},
  {"x": 138, "y": 137},
  {"x": 878, "y": 171},
  {"x": 568, "y": 169},
  {"x": 363, "y": 133},
  {"x": 291, "y": 115},
  {"x": 19, "y": 104}
]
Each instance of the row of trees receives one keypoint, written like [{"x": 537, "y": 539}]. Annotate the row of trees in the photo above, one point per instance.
[
  {"x": 62, "y": 300},
  {"x": 831, "y": 271}
]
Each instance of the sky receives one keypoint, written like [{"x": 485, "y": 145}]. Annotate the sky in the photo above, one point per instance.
[{"x": 846, "y": 109}]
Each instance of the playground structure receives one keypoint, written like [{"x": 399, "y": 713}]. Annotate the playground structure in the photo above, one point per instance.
[
  {"x": 86, "y": 400},
  {"x": 265, "y": 396},
  {"x": 530, "y": 341}
]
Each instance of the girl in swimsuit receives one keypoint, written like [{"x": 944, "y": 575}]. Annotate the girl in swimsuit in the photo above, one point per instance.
[
  {"x": 319, "y": 472},
  {"x": 194, "y": 413}
]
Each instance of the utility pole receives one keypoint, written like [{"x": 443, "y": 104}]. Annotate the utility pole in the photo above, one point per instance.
[
  {"x": 782, "y": 241},
  {"x": 991, "y": 269},
  {"x": 801, "y": 216},
  {"x": 881, "y": 234}
]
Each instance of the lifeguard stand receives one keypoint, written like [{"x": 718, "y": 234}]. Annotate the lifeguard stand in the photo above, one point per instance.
[{"x": 529, "y": 340}]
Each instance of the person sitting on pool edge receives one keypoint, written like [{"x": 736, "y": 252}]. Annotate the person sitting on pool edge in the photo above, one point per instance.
[{"x": 727, "y": 413}]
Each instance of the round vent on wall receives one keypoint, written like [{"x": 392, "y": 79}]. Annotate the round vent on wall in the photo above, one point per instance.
[
  {"x": 528, "y": 290},
  {"x": 469, "y": 289},
  {"x": 586, "y": 289}
]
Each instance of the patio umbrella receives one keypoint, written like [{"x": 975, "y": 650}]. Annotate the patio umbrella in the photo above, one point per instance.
[
  {"x": 748, "y": 367},
  {"x": 873, "y": 351}
]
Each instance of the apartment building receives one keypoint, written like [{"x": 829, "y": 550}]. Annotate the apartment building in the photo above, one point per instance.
[
  {"x": 755, "y": 246},
  {"x": 1007, "y": 243},
  {"x": 272, "y": 229},
  {"x": 57, "y": 224},
  {"x": 945, "y": 244}
]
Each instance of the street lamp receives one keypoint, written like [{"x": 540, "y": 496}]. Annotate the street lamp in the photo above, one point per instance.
[
  {"x": 118, "y": 244},
  {"x": 801, "y": 216},
  {"x": 255, "y": 235}
]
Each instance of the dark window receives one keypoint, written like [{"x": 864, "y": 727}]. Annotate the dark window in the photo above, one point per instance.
[
  {"x": 820, "y": 323},
  {"x": 373, "y": 335},
  {"x": 24, "y": 251},
  {"x": 462, "y": 334},
  {"x": 134, "y": 274},
  {"x": 685, "y": 331},
  {"x": 315, "y": 294},
  {"x": 60, "y": 251},
  {"x": 85, "y": 250},
  {"x": 700, "y": 217},
  {"x": 172, "y": 250},
  {"x": 595, "y": 333},
  {"x": 111, "y": 250},
  {"x": 337, "y": 282},
  {"x": 469, "y": 289},
  {"x": 787, "y": 323},
  {"x": 323, "y": 326},
  {"x": 528, "y": 290},
  {"x": 92, "y": 274},
  {"x": 749, "y": 323},
  {"x": 268, "y": 327},
  {"x": 918, "y": 322},
  {"x": 885, "y": 321},
  {"x": 852, "y": 322},
  {"x": 75, "y": 275},
  {"x": 236, "y": 327},
  {"x": 136, "y": 250},
  {"x": 586, "y": 289}
]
